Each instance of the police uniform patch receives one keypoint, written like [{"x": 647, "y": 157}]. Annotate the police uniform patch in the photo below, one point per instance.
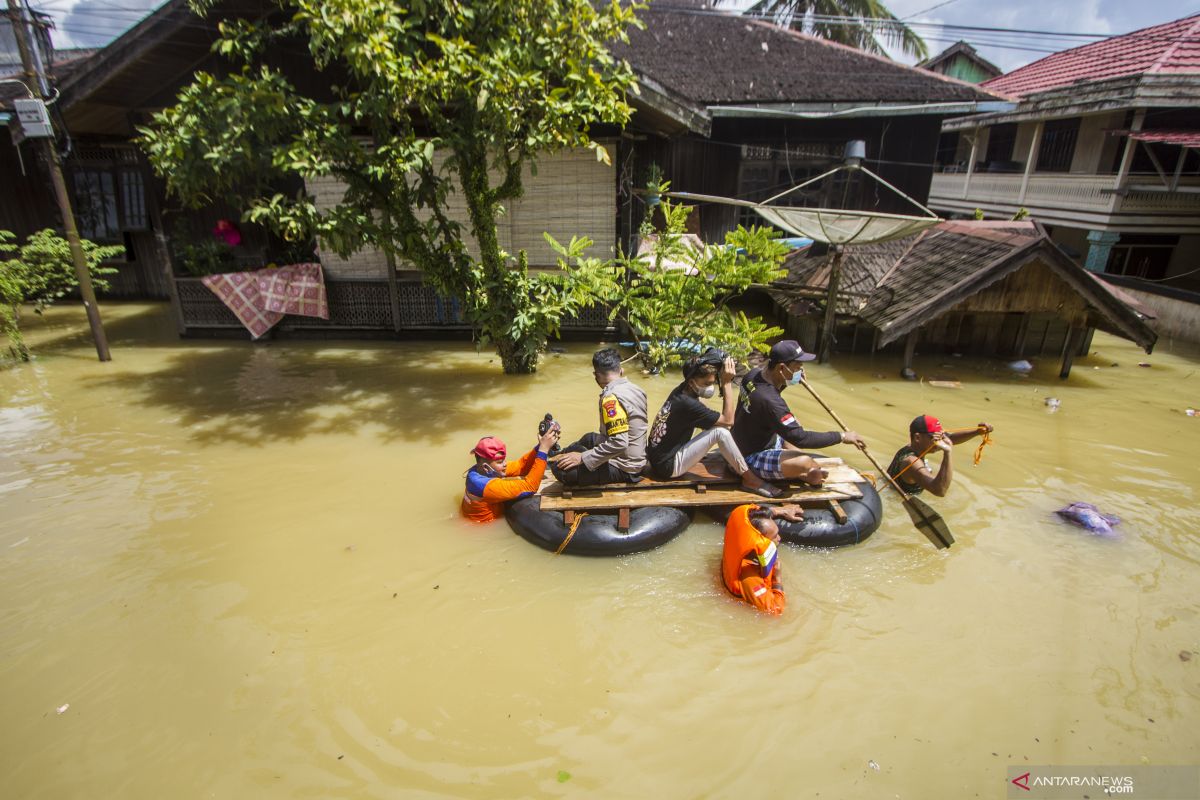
[{"x": 613, "y": 418}]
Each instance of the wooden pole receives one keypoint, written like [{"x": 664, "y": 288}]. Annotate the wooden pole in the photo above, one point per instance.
[
  {"x": 835, "y": 265},
  {"x": 910, "y": 347},
  {"x": 21, "y": 32},
  {"x": 1069, "y": 348}
]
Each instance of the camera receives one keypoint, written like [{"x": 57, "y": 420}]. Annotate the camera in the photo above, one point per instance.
[{"x": 546, "y": 424}]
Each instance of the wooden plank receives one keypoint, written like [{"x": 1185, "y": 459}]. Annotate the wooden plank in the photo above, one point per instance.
[
  {"x": 623, "y": 519},
  {"x": 839, "y": 472},
  {"x": 688, "y": 497},
  {"x": 568, "y": 516},
  {"x": 839, "y": 513}
]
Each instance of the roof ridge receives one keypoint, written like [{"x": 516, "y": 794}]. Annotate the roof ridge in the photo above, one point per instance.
[
  {"x": 858, "y": 51},
  {"x": 1170, "y": 51}
]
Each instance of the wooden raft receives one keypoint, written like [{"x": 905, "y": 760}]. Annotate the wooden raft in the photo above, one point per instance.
[{"x": 708, "y": 484}]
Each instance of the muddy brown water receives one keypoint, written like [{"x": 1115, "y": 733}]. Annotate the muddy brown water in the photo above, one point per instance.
[{"x": 241, "y": 567}]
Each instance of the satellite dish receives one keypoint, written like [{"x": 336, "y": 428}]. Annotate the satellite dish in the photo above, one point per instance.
[{"x": 835, "y": 226}]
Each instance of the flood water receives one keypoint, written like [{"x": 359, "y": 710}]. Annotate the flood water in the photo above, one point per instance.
[{"x": 242, "y": 568}]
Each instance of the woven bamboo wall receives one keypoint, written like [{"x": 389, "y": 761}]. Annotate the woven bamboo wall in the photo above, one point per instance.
[{"x": 572, "y": 194}]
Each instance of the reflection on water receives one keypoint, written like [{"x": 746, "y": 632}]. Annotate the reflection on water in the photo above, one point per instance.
[{"x": 241, "y": 566}]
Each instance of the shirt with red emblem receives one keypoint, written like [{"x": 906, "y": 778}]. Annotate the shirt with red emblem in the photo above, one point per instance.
[{"x": 762, "y": 414}]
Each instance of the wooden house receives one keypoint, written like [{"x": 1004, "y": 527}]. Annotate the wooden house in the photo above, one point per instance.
[
  {"x": 988, "y": 288},
  {"x": 728, "y": 105}
]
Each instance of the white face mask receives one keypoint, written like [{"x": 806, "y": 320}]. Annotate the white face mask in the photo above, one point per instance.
[
  {"x": 707, "y": 391},
  {"x": 797, "y": 376}
]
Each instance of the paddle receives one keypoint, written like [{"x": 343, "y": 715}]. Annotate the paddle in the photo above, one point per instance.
[{"x": 927, "y": 521}]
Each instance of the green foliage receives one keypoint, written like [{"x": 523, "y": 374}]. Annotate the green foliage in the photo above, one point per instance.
[
  {"x": 862, "y": 24},
  {"x": 677, "y": 299},
  {"x": 428, "y": 94},
  {"x": 209, "y": 256},
  {"x": 40, "y": 272}
]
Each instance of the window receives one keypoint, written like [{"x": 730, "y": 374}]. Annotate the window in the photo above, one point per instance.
[
  {"x": 1058, "y": 145},
  {"x": 109, "y": 201},
  {"x": 96, "y": 206},
  {"x": 947, "y": 152},
  {"x": 1142, "y": 256},
  {"x": 1001, "y": 141}
]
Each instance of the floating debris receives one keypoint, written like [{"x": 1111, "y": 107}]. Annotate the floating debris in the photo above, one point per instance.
[
  {"x": 1143, "y": 363},
  {"x": 873, "y": 765},
  {"x": 63, "y": 708},
  {"x": 946, "y": 384},
  {"x": 1191, "y": 412},
  {"x": 1053, "y": 404},
  {"x": 908, "y": 374},
  {"x": 1088, "y": 516},
  {"x": 1020, "y": 366}
]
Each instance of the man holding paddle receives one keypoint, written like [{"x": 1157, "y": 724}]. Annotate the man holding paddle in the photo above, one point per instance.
[{"x": 765, "y": 429}]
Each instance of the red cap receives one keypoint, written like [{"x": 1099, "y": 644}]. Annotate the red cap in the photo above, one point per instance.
[
  {"x": 491, "y": 448},
  {"x": 925, "y": 424}
]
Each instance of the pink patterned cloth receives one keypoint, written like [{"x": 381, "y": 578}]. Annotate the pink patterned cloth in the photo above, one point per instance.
[{"x": 260, "y": 299}]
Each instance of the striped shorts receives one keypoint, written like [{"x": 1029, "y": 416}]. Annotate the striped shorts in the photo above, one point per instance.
[{"x": 765, "y": 464}]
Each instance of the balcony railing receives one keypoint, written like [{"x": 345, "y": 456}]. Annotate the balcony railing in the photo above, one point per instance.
[{"x": 1057, "y": 195}]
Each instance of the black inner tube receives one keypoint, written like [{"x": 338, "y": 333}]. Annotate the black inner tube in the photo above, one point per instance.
[
  {"x": 597, "y": 534},
  {"x": 820, "y": 527}
]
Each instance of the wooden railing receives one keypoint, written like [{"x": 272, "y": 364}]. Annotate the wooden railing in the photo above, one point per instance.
[{"x": 1086, "y": 194}]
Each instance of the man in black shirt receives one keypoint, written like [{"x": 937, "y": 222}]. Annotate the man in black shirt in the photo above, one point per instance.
[
  {"x": 672, "y": 451},
  {"x": 765, "y": 428}
]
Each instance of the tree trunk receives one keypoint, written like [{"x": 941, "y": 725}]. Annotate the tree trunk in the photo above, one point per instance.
[{"x": 516, "y": 359}]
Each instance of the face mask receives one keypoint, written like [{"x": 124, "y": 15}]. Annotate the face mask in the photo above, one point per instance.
[
  {"x": 707, "y": 391},
  {"x": 797, "y": 376}
]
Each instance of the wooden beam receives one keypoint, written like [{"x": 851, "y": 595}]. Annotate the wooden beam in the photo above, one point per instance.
[
  {"x": 974, "y": 140},
  {"x": 717, "y": 496},
  {"x": 1030, "y": 158},
  {"x": 1069, "y": 347},
  {"x": 910, "y": 348},
  {"x": 623, "y": 519}
]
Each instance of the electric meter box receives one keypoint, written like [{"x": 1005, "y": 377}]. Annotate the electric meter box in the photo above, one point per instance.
[{"x": 35, "y": 120}]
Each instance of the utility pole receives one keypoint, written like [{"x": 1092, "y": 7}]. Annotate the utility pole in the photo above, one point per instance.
[{"x": 20, "y": 23}]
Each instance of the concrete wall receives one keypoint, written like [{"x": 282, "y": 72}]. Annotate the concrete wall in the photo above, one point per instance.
[
  {"x": 1185, "y": 262},
  {"x": 1094, "y": 143}
]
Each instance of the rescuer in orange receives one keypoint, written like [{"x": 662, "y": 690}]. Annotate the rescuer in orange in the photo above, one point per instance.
[
  {"x": 492, "y": 481},
  {"x": 750, "y": 561}
]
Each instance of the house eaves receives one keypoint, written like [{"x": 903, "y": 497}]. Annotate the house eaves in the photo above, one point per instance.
[
  {"x": 849, "y": 110},
  {"x": 1091, "y": 97},
  {"x": 680, "y": 112}
]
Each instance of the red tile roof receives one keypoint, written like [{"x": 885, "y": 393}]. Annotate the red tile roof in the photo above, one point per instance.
[
  {"x": 1183, "y": 138},
  {"x": 1167, "y": 48}
]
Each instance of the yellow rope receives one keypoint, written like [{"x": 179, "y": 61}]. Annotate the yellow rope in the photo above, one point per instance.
[
  {"x": 983, "y": 442},
  {"x": 570, "y": 533}
]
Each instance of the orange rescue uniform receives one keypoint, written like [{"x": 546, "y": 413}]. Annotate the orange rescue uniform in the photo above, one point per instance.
[
  {"x": 750, "y": 564},
  {"x": 485, "y": 495}
]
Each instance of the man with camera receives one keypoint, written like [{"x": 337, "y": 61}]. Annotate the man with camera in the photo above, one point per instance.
[{"x": 672, "y": 450}]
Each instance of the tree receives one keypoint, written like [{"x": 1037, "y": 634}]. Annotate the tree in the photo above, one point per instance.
[
  {"x": 676, "y": 300},
  {"x": 424, "y": 98},
  {"x": 40, "y": 272},
  {"x": 865, "y": 24}
]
